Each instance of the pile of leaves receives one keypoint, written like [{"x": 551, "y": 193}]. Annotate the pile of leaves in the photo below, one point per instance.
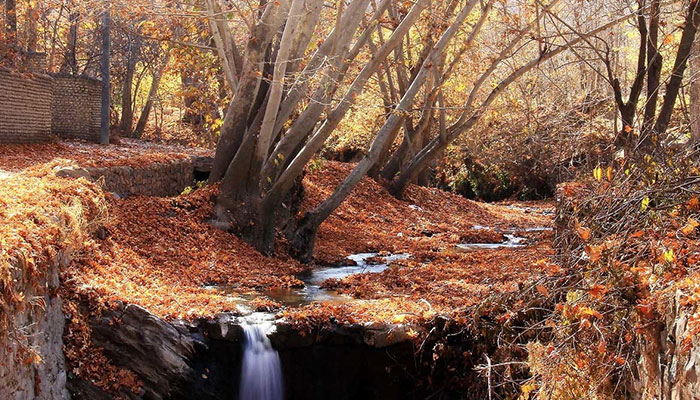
[
  {"x": 43, "y": 216},
  {"x": 134, "y": 153},
  {"x": 371, "y": 219},
  {"x": 44, "y": 219},
  {"x": 164, "y": 255},
  {"x": 428, "y": 223}
]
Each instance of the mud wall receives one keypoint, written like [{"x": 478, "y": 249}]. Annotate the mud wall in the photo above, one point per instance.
[
  {"x": 76, "y": 107},
  {"x": 25, "y": 107},
  {"x": 35, "y": 107},
  {"x": 157, "y": 179}
]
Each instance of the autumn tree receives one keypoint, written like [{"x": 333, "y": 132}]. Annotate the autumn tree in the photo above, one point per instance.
[
  {"x": 645, "y": 120},
  {"x": 266, "y": 140}
]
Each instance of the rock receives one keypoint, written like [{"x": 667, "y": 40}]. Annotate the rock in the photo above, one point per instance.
[
  {"x": 679, "y": 380},
  {"x": 202, "y": 163},
  {"x": 224, "y": 327},
  {"x": 386, "y": 335},
  {"x": 152, "y": 348},
  {"x": 73, "y": 172}
]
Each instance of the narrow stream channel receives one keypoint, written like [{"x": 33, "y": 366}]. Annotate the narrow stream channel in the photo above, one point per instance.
[{"x": 261, "y": 370}]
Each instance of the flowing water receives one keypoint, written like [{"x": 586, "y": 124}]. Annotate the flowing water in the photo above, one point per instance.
[
  {"x": 511, "y": 242},
  {"x": 313, "y": 278},
  {"x": 261, "y": 373}
]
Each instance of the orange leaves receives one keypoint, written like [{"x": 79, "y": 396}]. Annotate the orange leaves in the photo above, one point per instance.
[
  {"x": 601, "y": 346},
  {"x": 690, "y": 227},
  {"x": 589, "y": 312},
  {"x": 594, "y": 252},
  {"x": 598, "y": 291},
  {"x": 550, "y": 268},
  {"x": 41, "y": 216},
  {"x": 646, "y": 308},
  {"x": 637, "y": 234},
  {"x": 619, "y": 360},
  {"x": 583, "y": 232}
]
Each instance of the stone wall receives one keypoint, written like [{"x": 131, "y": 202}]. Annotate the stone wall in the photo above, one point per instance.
[
  {"x": 25, "y": 107},
  {"x": 40, "y": 320},
  {"x": 149, "y": 180},
  {"x": 76, "y": 107},
  {"x": 160, "y": 179}
]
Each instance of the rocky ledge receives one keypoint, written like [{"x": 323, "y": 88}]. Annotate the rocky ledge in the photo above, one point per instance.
[{"x": 202, "y": 359}]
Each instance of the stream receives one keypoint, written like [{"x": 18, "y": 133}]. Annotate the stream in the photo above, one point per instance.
[
  {"x": 261, "y": 369},
  {"x": 313, "y": 278}
]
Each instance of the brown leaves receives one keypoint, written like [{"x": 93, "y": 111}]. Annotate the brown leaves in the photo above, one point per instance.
[
  {"x": 128, "y": 153},
  {"x": 598, "y": 291}
]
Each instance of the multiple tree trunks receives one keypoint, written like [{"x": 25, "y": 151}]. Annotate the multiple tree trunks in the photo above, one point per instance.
[
  {"x": 641, "y": 137},
  {"x": 265, "y": 145}
]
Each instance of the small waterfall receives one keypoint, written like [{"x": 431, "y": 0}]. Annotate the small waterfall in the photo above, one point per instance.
[{"x": 261, "y": 374}]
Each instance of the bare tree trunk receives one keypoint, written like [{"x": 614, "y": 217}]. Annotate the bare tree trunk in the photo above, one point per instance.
[
  {"x": 234, "y": 126},
  {"x": 268, "y": 122},
  {"x": 70, "y": 63},
  {"x": 304, "y": 238},
  {"x": 470, "y": 117},
  {"x": 152, "y": 93},
  {"x": 694, "y": 79},
  {"x": 654, "y": 64},
  {"x": 32, "y": 25},
  {"x": 127, "y": 118},
  {"x": 11, "y": 22},
  {"x": 242, "y": 181},
  {"x": 286, "y": 180},
  {"x": 674, "y": 84},
  {"x": 223, "y": 46}
]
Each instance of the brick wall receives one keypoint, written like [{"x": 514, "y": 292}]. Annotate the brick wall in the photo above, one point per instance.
[
  {"x": 25, "y": 107},
  {"x": 76, "y": 107}
]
